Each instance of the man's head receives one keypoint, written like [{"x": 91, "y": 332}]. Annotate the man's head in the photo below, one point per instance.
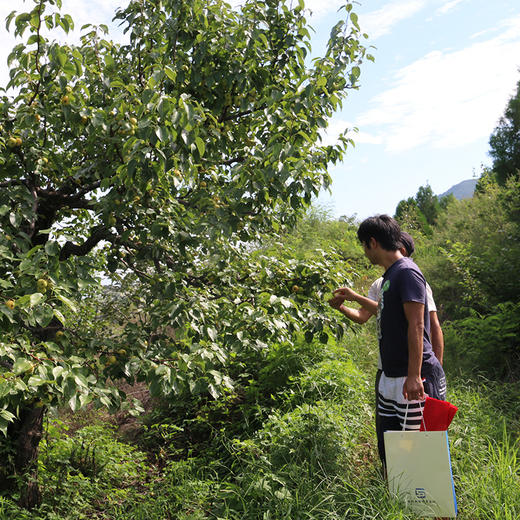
[
  {"x": 407, "y": 243},
  {"x": 383, "y": 229}
]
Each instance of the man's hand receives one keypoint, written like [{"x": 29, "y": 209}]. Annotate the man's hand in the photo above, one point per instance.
[
  {"x": 336, "y": 301},
  {"x": 413, "y": 389},
  {"x": 368, "y": 306},
  {"x": 347, "y": 294}
]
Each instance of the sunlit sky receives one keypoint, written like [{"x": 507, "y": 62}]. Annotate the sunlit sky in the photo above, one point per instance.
[{"x": 443, "y": 73}]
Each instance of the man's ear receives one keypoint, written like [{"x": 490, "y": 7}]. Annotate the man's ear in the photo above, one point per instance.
[{"x": 372, "y": 242}]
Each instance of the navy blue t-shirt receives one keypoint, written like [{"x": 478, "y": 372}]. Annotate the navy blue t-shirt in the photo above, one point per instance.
[{"x": 402, "y": 282}]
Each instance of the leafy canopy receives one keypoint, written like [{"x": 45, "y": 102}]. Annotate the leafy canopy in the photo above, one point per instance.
[
  {"x": 504, "y": 142},
  {"x": 151, "y": 167}
]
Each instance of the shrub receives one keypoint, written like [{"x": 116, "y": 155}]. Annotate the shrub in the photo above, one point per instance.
[{"x": 487, "y": 343}]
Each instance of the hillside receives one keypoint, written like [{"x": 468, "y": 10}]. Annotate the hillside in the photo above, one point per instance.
[{"x": 462, "y": 190}]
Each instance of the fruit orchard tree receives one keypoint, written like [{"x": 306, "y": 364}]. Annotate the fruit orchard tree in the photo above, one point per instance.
[{"x": 160, "y": 161}]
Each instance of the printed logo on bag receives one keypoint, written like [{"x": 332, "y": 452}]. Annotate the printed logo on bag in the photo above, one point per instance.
[
  {"x": 420, "y": 493},
  {"x": 421, "y": 497}
]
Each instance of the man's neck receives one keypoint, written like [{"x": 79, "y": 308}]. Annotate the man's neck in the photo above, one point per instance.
[{"x": 389, "y": 257}]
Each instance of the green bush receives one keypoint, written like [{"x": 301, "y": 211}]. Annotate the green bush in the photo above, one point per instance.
[
  {"x": 332, "y": 379},
  {"x": 289, "y": 469},
  {"x": 312, "y": 437},
  {"x": 486, "y": 343},
  {"x": 474, "y": 252}
]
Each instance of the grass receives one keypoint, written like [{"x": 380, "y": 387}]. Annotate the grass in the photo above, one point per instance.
[{"x": 313, "y": 455}]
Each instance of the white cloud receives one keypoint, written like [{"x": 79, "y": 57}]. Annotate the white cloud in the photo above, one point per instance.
[
  {"x": 380, "y": 22},
  {"x": 448, "y": 99},
  {"x": 448, "y": 6}
]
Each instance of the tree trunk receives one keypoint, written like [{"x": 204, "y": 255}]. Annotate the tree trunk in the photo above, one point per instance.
[
  {"x": 24, "y": 436},
  {"x": 27, "y": 456}
]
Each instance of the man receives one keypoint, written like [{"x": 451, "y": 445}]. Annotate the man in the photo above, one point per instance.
[
  {"x": 370, "y": 302},
  {"x": 369, "y": 307},
  {"x": 410, "y": 369}
]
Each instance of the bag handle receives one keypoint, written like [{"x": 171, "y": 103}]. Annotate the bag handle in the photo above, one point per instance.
[{"x": 406, "y": 417}]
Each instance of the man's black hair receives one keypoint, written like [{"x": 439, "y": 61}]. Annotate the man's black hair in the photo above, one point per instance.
[
  {"x": 408, "y": 243},
  {"x": 384, "y": 229}
]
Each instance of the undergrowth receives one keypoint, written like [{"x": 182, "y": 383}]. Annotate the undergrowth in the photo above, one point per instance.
[{"x": 294, "y": 442}]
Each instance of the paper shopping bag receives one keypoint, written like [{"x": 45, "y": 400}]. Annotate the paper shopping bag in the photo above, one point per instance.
[{"x": 419, "y": 471}]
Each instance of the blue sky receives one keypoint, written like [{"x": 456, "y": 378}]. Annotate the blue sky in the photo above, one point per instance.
[{"x": 443, "y": 73}]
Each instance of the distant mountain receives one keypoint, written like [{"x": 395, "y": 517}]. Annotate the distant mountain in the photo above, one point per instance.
[{"x": 462, "y": 190}]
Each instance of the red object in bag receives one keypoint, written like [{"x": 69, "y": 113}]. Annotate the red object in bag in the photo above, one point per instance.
[{"x": 437, "y": 415}]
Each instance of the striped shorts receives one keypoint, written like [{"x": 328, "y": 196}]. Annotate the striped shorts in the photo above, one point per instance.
[
  {"x": 392, "y": 406},
  {"x": 398, "y": 413}
]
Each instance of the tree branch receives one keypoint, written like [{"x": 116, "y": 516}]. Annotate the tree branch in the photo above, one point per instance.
[
  {"x": 237, "y": 115},
  {"x": 98, "y": 234},
  {"x": 13, "y": 182}
]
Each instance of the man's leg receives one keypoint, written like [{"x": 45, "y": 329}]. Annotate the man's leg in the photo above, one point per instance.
[
  {"x": 395, "y": 412},
  {"x": 387, "y": 417},
  {"x": 379, "y": 431}
]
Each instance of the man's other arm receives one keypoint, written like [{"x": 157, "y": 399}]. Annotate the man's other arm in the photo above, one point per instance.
[
  {"x": 437, "y": 336},
  {"x": 360, "y": 316}
]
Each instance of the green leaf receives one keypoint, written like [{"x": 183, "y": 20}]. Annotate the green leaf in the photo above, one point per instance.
[
  {"x": 57, "y": 371},
  {"x": 29, "y": 300},
  {"x": 170, "y": 73},
  {"x": 36, "y": 381},
  {"x": 60, "y": 317},
  {"x": 21, "y": 365},
  {"x": 73, "y": 403},
  {"x": 200, "y": 146},
  {"x": 3, "y": 426},
  {"x": 212, "y": 333},
  {"x": 69, "y": 303},
  {"x": 7, "y": 415},
  {"x": 9, "y": 19},
  {"x": 161, "y": 133},
  {"x": 44, "y": 315},
  {"x": 52, "y": 248},
  {"x": 35, "y": 299},
  {"x": 109, "y": 61}
]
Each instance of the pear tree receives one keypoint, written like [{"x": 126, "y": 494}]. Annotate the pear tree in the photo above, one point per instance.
[{"x": 137, "y": 180}]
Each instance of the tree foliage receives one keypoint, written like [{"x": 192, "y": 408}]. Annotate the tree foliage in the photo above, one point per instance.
[
  {"x": 505, "y": 141},
  {"x": 410, "y": 217},
  {"x": 153, "y": 164},
  {"x": 477, "y": 244},
  {"x": 470, "y": 261},
  {"x": 419, "y": 213}
]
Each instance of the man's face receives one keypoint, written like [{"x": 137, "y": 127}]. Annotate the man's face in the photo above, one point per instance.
[{"x": 370, "y": 251}]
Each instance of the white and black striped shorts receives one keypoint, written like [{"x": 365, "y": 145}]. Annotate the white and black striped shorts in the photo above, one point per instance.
[{"x": 393, "y": 405}]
